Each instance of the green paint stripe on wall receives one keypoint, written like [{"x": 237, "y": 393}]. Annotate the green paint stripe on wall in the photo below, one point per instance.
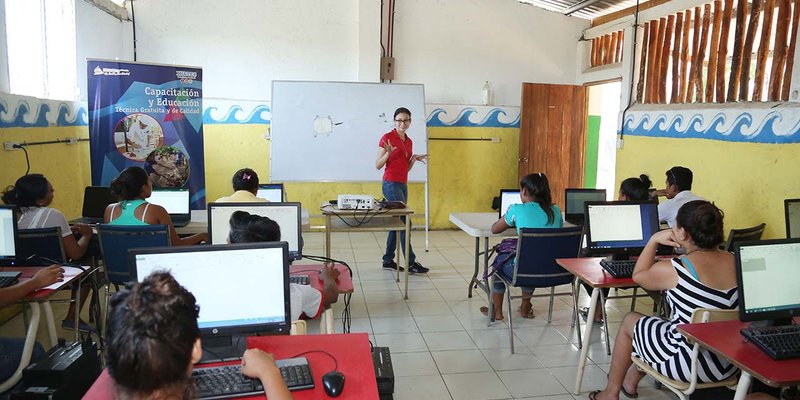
[{"x": 592, "y": 144}]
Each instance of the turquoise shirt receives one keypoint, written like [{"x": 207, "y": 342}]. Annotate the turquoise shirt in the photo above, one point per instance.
[
  {"x": 531, "y": 215},
  {"x": 126, "y": 217}
]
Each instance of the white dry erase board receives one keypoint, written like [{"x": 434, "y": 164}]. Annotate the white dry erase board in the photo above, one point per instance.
[{"x": 329, "y": 131}]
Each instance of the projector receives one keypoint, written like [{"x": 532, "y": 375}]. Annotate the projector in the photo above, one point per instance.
[{"x": 355, "y": 202}]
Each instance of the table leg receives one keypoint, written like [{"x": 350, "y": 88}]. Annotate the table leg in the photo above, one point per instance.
[
  {"x": 474, "y": 279},
  {"x": 605, "y": 320},
  {"x": 576, "y": 291},
  {"x": 78, "y": 310},
  {"x": 327, "y": 236},
  {"x": 587, "y": 333},
  {"x": 51, "y": 325},
  {"x": 27, "y": 349},
  {"x": 398, "y": 252},
  {"x": 743, "y": 386},
  {"x": 408, "y": 249}
]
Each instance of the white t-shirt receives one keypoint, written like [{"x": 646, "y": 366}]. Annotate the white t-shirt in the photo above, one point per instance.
[
  {"x": 304, "y": 299},
  {"x": 43, "y": 217},
  {"x": 668, "y": 209}
]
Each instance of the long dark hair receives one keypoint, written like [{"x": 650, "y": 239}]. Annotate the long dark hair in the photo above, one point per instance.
[
  {"x": 636, "y": 189},
  {"x": 26, "y": 191},
  {"x": 152, "y": 328},
  {"x": 703, "y": 221},
  {"x": 128, "y": 184},
  {"x": 539, "y": 187}
]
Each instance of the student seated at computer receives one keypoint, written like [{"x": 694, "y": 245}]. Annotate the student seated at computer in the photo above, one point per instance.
[
  {"x": 678, "y": 193},
  {"x": 704, "y": 277},
  {"x": 153, "y": 340},
  {"x": 132, "y": 187},
  {"x": 245, "y": 188},
  {"x": 536, "y": 211},
  {"x": 32, "y": 194},
  {"x": 11, "y": 348},
  {"x": 304, "y": 299}
]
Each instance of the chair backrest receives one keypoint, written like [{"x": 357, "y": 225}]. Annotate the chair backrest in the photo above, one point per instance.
[
  {"x": 39, "y": 246},
  {"x": 744, "y": 235},
  {"x": 703, "y": 315},
  {"x": 116, "y": 240},
  {"x": 537, "y": 251}
]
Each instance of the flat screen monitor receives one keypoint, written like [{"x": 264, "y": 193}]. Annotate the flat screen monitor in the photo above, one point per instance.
[
  {"x": 792, "y": 208},
  {"x": 621, "y": 228},
  {"x": 768, "y": 280},
  {"x": 8, "y": 235},
  {"x": 95, "y": 201},
  {"x": 242, "y": 289},
  {"x": 287, "y": 215},
  {"x": 574, "y": 200},
  {"x": 175, "y": 201},
  {"x": 507, "y": 198},
  {"x": 271, "y": 191}
]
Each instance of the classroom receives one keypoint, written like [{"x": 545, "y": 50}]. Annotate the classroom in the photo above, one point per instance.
[{"x": 568, "y": 94}]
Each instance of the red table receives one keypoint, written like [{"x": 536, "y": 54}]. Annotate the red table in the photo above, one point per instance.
[
  {"x": 724, "y": 340},
  {"x": 352, "y": 352}
]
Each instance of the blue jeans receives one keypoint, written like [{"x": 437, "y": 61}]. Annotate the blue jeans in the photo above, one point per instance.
[
  {"x": 394, "y": 191},
  {"x": 508, "y": 270},
  {"x": 10, "y": 354}
]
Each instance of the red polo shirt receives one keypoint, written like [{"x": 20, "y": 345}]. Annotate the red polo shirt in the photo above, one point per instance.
[{"x": 396, "y": 169}]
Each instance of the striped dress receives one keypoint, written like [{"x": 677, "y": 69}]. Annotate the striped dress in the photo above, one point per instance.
[{"x": 657, "y": 342}]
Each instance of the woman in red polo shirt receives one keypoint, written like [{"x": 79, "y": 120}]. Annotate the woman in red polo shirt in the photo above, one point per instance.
[{"x": 395, "y": 153}]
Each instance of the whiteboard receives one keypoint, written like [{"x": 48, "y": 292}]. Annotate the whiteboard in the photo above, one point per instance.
[{"x": 329, "y": 131}]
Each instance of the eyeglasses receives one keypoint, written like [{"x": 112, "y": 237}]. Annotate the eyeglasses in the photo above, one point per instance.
[{"x": 403, "y": 121}]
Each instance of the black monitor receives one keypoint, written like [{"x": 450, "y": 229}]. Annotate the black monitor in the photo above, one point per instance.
[
  {"x": 792, "y": 209},
  {"x": 271, "y": 192},
  {"x": 574, "y": 199},
  {"x": 8, "y": 235},
  {"x": 95, "y": 201},
  {"x": 620, "y": 228},
  {"x": 242, "y": 289},
  {"x": 287, "y": 215},
  {"x": 768, "y": 280},
  {"x": 507, "y": 198}
]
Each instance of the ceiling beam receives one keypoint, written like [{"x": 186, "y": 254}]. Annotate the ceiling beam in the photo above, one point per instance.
[
  {"x": 628, "y": 11},
  {"x": 580, "y": 6}
]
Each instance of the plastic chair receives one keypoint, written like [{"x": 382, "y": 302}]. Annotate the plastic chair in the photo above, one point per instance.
[
  {"x": 684, "y": 389},
  {"x": 298, "y": 327},
  {"x": 40, "y": 246},
  {"x": 537, "y": 251},
  {"x": 744, "y": 235}
]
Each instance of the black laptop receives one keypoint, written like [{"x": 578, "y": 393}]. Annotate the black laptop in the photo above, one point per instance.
[
  {"x": 95, "y": 201},
  {"x": 575, "y": 199},
  {"x": 176, "y": 202}
]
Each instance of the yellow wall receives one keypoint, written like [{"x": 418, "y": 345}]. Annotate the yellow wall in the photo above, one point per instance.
[
  {"x": 463, "y": 175},
  {"x": 747, "y": 181}
]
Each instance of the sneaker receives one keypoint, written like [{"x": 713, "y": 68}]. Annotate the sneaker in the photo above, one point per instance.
[
  {"x": 393, "y": 266},
  {"x": 417, "y": 268}
]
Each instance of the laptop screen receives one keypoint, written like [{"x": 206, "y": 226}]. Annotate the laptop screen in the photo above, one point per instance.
[
  {"x": 507, "y": 198},
  {"x": 175, "y": 201},
  {"x": 576, "y": 198},
  {"x": 287, "y": 215},
  {"x": 8, "y": 233},
  {"x": 792, "y": 208},
  {"x": 271, "y": 191}
]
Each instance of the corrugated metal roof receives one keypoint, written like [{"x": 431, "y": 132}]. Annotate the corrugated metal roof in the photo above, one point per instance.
[{"x": 590, "y": 9}]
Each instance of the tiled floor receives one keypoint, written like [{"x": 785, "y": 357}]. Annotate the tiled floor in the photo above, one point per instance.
[{"x": 442, "y": 347}]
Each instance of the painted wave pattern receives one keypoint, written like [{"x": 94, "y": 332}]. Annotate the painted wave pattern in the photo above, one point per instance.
[
  {"x": 22, "y": 115},
  {"x": 742, "y": 127},
  {"x": 259, "y": 115},
  {"x": 495, "y": 118}
]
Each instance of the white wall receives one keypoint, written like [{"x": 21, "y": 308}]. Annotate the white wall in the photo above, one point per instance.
[
  {"x": 4, "y": 85},
  {"x": 99, "y": 35}
]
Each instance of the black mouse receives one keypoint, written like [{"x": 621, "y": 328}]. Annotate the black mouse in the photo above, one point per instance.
[{"x": 333, "y": 383}]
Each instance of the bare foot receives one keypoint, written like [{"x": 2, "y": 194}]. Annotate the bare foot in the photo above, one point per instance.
[
  {"x": 630, "y": 384},
  {"x": 498, "y": 315}
]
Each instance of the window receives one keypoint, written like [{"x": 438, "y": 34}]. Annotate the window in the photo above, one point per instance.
[{"x": 607, "y": 49}]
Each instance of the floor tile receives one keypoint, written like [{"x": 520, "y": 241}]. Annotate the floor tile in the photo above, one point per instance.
[
  {"x": 503, "y": 360},
  {"x": 460, "y": 361},
  {"x": 531, "y": 382},
  {"x": 414, "y": 364},
  {"x": 438, "y": 323},
  {"x": 429, "y": 308},
  {"x": 394, "y": 325},
  {"x": 402, "y": 342},
  {"x": 475, "y": 386},
  {"x": 448, "y": 341},
  {"x": 430, "y": 387}
]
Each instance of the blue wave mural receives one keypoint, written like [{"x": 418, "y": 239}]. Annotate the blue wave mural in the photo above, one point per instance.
[
  {"x": 257, "y": 115},
  {"x": 20, "y": 115},
  {"x": 491, "y": 120}
]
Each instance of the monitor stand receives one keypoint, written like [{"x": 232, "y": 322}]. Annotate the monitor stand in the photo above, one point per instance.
[
  {"x": 223, "y": 348},
  {"x": 771, "y": 322},
  {"x": 620, "y": 256}
]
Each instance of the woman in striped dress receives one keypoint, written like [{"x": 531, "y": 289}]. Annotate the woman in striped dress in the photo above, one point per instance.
[{"x": 704, "y": 277}]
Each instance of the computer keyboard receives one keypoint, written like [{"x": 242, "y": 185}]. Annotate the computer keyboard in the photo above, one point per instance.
[
  {"x": 227, "y": 382},
  {"x": 618, "y": 268},
  {"x": 299, "y": 279},
  {"x": 779, "y": 342},
  {"x": 6, "y": 281}
]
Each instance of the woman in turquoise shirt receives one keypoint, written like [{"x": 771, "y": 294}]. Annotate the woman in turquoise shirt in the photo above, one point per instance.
[
  {"x": 132, "y": 187},
  {"x": 536, "y": 211}
]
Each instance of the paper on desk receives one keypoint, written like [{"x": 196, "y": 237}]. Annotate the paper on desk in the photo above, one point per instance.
[{"x": 69, "y": 272}]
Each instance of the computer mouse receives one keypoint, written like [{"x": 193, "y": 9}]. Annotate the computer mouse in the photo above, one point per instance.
[{"x": 333, "y": 383}]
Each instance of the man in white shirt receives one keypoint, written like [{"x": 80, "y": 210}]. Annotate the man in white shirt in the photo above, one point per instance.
[{"x": 678, "y": 193}]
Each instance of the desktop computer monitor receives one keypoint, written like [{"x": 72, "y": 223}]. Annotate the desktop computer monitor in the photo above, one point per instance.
[
  {"x": 271, "y": 191},
  {"x": 768, "y": 280},
  {"x": 574, "y": 199},
  {"x": 507, "y": 198},
  {"x": 620, "y": 228},
  {"x": 792, "y": 208},
  {"x": 287, "y": 215},
  {"x": 8, "y": 235},
  {"x": 175, "y": 201},
  {"x": 242, "y": 289}
]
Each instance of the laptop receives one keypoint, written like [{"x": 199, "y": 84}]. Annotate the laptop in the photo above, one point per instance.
[
  {"x": 176, "y": 202},
  {"x": 574, "y": 200},
  {"x": 271, "y": 191},
  {"x": 95, "y": 201},
  {"x": 507, "y": 198}
]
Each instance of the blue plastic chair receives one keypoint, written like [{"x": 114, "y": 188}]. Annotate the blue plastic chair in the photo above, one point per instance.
[
  {"x": 535, "y": 266},
  {"x": 39, "y": 247}
]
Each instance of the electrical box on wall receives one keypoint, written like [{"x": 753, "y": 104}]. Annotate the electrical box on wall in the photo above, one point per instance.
[{"x": 387, "y": 68}]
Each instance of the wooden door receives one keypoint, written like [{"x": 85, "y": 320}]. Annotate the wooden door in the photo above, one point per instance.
[{"x": 552, "y": 137}]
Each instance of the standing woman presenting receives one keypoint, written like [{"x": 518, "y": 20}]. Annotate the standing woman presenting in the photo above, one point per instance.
[{"x": 396, "y": 154}]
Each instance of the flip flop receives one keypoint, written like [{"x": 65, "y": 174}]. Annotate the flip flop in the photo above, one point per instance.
[
  {"x": 593, "y": 395},
  {"x": 528, "y": 315},
  {"x": 625, "y": 392},
  {"x": 485, "y": 311}
]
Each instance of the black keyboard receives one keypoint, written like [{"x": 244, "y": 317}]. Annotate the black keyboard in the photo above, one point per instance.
[
  {"x": 618, "y": 268},
  {"x": 227, "y": 382},
  {"x": 779, "y": 342},
  {"x": 299, "y": 279},
  {"x": 6, "y": 281}
]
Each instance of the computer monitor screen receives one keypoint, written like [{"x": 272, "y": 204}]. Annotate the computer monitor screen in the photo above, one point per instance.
[
  {"x": 95, "y": 201},
  {"x": 575, "y": 199},
  {"x": 241, "y": 289},
  {"x": 175, "y": 201},
  {"x": 271, "y": 191},
  {"x": 8, "y": 234},
  {"x": 619, "y": 227},
  {"x": 507, "y": 198},
  {"x": 287, "y": 215},
  {"x": 792, "y": 208},
  {"x": 768, "y": 278}
]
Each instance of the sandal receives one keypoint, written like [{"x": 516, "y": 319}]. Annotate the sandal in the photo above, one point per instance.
[
  {"x": 485, "y": 311},
  {"x": 527, "y": 314},
  {"x": 593, "y": 395},
  {"x": 625, "y": 392}
]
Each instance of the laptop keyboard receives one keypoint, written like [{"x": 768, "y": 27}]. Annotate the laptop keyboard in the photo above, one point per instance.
[
  {"x": 6, "y": 281},
  {"x": 299, "y": 279},
  {"x": 227, "y": 381}
]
